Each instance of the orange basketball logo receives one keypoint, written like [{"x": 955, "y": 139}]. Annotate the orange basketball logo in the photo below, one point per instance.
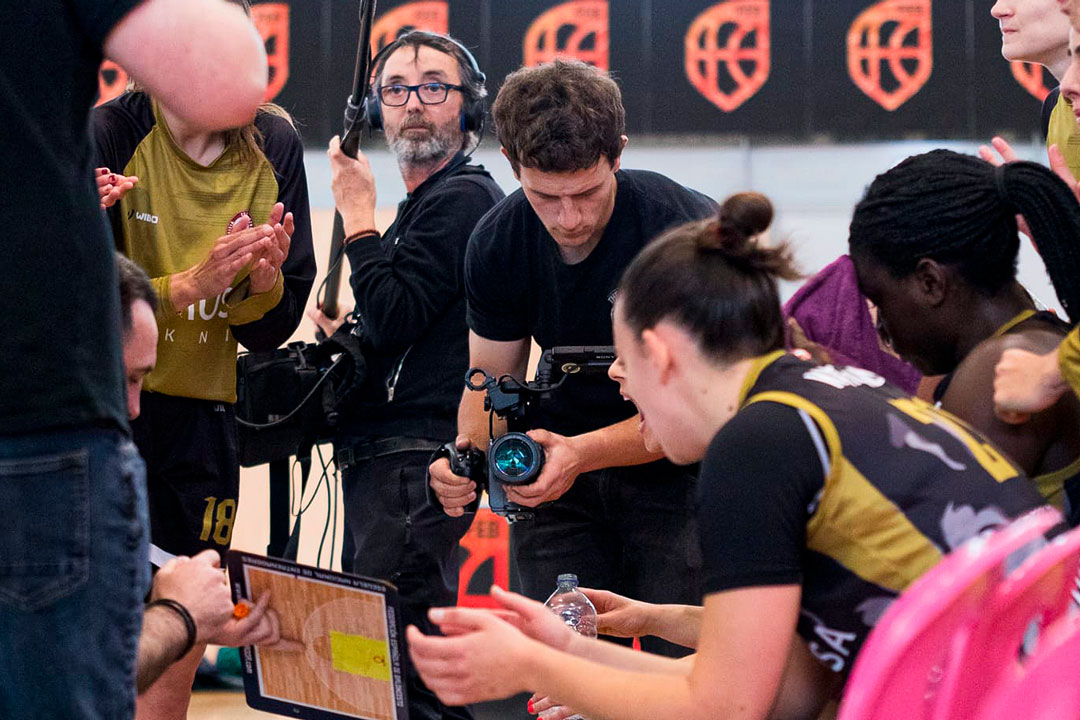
[
  {"x": 1032, "y": 78},
  {"x": 272, "y": 21},
  {"x": 430, "y": 15},
  {"x": 488, "y": 558},
  {"x": 112, "y": 80},
  {"x": 727, "y": 55},
  {"x": 891, "y": 50},
  {"x": 577, "y": 29}
]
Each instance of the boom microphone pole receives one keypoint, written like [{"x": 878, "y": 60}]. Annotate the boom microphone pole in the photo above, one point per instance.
[
  {"x": 350, "y": 145},
  {"x": 284, "y": 543}
]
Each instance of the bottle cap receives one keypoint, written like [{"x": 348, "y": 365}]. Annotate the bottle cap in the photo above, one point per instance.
[{"x": 567, "y": 578}]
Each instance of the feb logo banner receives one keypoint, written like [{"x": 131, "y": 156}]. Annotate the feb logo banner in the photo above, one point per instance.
[
  {"x": 112, "y": 81},
  {"x": 576, "y": 29},
  {"x": 1032, "y": 77},
  {"x": 891, "y": 51},
  {"x": 272, "y": 21},
  {"x": 727, "y": 53},
  {"x": 430, "y": 15}
]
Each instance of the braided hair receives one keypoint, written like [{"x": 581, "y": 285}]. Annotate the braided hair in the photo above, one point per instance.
[
  {"x": 961, "y": 211},
  {"x": 715, "y": 279}
]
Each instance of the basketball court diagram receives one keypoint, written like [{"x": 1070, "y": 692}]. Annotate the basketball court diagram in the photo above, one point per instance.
[{"x": 350, "y": 666}]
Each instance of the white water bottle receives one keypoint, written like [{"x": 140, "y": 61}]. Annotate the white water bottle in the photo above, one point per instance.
[{"x": 575, "y": 609}]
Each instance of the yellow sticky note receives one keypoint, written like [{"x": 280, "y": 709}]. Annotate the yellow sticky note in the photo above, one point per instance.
[{"x": 359, "y": 655}]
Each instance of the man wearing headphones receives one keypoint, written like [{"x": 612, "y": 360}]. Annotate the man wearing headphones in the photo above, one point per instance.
[{"x": 427, "y": 97}]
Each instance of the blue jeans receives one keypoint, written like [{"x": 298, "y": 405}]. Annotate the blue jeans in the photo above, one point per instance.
[
  {"x": 396, "y": 535},
  {"x": 73, "y": 574}
]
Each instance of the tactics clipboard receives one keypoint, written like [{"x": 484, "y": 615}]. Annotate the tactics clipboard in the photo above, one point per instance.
[{"x": 351, "y": 665}]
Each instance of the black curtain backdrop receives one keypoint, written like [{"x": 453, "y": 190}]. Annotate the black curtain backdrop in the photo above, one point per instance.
[{"x": 693, "y": 67}]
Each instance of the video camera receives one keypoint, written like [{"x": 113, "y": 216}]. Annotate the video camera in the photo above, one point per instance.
[
  {"x": 291, "y": 398},
  {"x": 515, "y": 458}
]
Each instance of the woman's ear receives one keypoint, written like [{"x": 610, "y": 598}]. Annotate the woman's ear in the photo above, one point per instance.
[
  {"x": 659, "y": 353},
  {"x": 931, "y": 282}
]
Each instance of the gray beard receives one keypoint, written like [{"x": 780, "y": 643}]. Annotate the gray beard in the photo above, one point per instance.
[{"x": 428, "y": 151}]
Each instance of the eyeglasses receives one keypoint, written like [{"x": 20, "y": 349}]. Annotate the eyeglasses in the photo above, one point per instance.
[{"x": 432, "y": 93}]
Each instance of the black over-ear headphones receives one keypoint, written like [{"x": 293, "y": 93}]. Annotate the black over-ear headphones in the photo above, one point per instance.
[{"x": 472, "y": 109}]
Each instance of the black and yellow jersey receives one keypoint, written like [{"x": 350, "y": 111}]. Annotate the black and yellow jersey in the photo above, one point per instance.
[
  {"x": 170, "y": 221},
  {"x": 832, "y": 479}
]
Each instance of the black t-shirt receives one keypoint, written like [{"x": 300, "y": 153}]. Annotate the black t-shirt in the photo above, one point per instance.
[
  {"x": 410, "y": 293},
  {"x": 518, "y": 286},
  {"x": 62, "y": 364}
]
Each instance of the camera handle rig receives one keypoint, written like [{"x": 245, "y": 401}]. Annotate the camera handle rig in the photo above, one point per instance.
[{"x": 514, "y": 458}]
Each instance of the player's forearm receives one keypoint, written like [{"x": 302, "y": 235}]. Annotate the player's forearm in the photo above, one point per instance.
[
  {"x": 620, "y": 656},
  {"x": 163, "y": 638},
  {"x": 615, "y": 691},
  {"x": 679, "y": 624},
  {"x": 614, "y": 446},
  {"x": 473, "y": 419},
  {"x": 182, "y": 290}
]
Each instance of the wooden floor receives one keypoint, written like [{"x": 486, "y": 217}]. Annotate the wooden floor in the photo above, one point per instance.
[{"x": 222, "y": 705}]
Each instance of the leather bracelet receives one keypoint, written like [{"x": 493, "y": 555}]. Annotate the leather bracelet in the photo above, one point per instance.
[
  {"x": 362, "y": 234},
  {"x": 189, "y": 622}
]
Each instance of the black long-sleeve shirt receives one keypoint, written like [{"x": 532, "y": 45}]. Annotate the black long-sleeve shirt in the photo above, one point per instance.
[{"x": 410, "y": 294}]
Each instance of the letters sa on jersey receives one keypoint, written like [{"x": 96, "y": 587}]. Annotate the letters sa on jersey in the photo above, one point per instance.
[
  {"x": 891, "y": 50},
  {"x": 430, "y": 15},
  {"x": 272, "y": 21},
  {"x": 727, "y": 55},
  {"x": 576, "y": 29},
  {"x": 1031, "y": 78}
]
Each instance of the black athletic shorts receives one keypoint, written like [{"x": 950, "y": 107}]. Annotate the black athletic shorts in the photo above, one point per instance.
[{"x": 192, "y": 471}]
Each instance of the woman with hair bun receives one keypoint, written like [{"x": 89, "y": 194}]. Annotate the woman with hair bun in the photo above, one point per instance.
[
  {"x": 823, "y": 493},
  {"x": 935, "y": 247}
]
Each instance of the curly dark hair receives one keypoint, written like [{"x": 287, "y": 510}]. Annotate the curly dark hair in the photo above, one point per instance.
[
  {"x": 559, "y": 117},
  {"x": 959, "y": 210}
]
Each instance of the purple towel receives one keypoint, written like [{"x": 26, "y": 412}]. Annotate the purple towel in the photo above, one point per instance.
[{"x": 833, "y": 313}]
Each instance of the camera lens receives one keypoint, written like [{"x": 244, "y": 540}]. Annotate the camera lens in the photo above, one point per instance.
[{"x": 516, "y": 459}]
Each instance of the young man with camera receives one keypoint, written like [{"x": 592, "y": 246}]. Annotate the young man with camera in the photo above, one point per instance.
[
  {"x": 410, "y": 308},
  {"x": 544, "y": 265}
]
